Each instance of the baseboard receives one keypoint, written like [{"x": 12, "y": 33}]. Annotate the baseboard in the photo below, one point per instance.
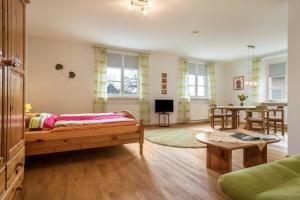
[{"x": 205, "y": 121}]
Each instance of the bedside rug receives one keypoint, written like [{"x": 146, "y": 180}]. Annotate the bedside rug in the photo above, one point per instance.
[{"x": 174, "y": 137}]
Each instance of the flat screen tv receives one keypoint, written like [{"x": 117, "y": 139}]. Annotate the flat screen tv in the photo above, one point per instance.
[{"x": 163, "y": 106}]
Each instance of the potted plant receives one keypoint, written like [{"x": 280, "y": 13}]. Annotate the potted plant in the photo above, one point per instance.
[{"x": 242, "y": 98}]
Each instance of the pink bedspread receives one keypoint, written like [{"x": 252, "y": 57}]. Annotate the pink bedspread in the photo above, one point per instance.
[
  {"x": 90, "y": 118},
  {"x": 48, "y": 121}
]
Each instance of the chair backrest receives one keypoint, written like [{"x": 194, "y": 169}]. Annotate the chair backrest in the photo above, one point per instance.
[
  {"x": 261, "y": 107},
  {"x": 214, "y": 109},
  {"x": 213, "y": 106},
  {"x": 280, "y": 107}
]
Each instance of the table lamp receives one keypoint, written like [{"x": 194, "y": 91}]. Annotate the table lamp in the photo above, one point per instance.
[{"x": 27, "y": 108}]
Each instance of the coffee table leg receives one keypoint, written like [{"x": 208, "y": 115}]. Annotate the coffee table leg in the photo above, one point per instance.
[
  {"x": 253, "y": 156},
  {"x": 218, "y": 159},
  {"x": 234, "y": 119}
]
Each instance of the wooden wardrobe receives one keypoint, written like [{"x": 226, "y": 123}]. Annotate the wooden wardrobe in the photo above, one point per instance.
[{"x": 12, "y": 60}]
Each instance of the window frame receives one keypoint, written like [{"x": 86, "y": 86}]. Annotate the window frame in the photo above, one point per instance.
[
  {"x": 123, "y": 68},
  {"x": 205, "y": 86},
  {"x": 269, "y": 79}
]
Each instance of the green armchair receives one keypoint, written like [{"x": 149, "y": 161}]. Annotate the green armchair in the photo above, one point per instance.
[{"x": 279, "y": 180}]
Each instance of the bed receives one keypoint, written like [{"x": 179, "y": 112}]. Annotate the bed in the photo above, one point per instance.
[{"x": 77, "y": 135}]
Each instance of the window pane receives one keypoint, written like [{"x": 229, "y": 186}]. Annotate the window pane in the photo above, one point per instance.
[
  {"x": 277, "y": 69},
  {"x": 278, "y": 88},
  {"x": 278, "y": 82},
  {"x": 276, "y": 94},
  {"x": 114, "y": 60},
  {"x": 130, "y": 81},
  {"x": 192, "y": 90},
  {"x": 131, "y": 61},
  {"x": 113, "y": 74},
  {"x": 192, "y": 80},
  {"x": 201, "y": 80},
  {"x": 114, "y": 88},
  {"x": 202, "y": 69},
  {"x": 201, "y": 91},
  {"x": 192, "y": 68}
]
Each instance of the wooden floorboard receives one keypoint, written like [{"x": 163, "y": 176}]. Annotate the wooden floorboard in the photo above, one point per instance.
[{"x": 117, "y": 173}]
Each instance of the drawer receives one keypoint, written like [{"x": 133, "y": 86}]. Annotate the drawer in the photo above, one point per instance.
[
  {"x": 2, "y": 180},
  {"x": 14, "y": 167},
  {"x": 16, "y": 191}
]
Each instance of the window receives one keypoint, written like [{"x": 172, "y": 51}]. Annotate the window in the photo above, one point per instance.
[
  {"x": 277, "y": 82},
  {"x": 197, "y": 80},
  {"x": 122, "y": 75}
]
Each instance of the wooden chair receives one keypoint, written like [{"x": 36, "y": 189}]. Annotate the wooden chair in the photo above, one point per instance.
[
  {"x": 272, "y": 117},
  {"x": 229, "y": 115},
  {"x": 216, "y": 113},
  {"x": 259, "y": 118}
]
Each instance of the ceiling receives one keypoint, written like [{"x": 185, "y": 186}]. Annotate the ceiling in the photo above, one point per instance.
[{"x": 225, "y": 27}]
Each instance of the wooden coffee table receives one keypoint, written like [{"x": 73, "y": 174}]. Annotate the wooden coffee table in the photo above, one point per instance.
[{"x": 219, "y": 154}]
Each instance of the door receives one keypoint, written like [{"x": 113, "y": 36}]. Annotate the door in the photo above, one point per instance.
[
  {"x": 15, "y": 117},
  {"x": 16, "y": 31}
]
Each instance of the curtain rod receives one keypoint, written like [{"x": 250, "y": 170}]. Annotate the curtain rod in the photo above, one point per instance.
[{"x": 124, "y": 50}]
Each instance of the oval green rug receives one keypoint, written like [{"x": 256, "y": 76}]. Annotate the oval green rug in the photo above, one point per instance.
[{"x": 174, "y": 137}]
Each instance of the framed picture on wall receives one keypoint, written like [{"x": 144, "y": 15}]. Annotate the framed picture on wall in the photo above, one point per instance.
[{"x": 238, "y": 83}]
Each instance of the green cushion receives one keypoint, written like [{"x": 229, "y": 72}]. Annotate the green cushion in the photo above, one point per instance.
[
  {"x": 292, "y": 163},
  {"x": 289, "y": 190},
  {"x": 249, "y": 184}
]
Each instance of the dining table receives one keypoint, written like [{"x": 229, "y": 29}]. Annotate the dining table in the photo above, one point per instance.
[{"x": 234, "y": 111}]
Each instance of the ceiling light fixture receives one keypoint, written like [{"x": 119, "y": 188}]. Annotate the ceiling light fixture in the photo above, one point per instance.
[
  {"x": 143, "y": 5},
  {"x": 195, "y": 33},
  {"x": 249, "y": 80}
]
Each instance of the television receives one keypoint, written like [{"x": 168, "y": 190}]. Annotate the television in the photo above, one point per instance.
[{"x": 163, "y": 106}]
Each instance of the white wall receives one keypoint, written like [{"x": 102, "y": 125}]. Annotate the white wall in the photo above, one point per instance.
[
  {"x": 49, "y": 91},
  {"x": 294, "y": 81},
  {"x": 162, "y": 63},
  {"x": 240, "y": 68}
]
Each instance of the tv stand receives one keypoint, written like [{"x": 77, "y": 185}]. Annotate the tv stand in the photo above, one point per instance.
[{"x": 166, "y": 119}]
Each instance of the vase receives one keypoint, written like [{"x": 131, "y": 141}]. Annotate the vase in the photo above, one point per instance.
[{"x": 242, "y": 104}]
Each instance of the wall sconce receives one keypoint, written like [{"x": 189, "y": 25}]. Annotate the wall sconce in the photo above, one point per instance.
[
  {"x": 72, "y": 74},
  {"x": 60, "y": 67}
]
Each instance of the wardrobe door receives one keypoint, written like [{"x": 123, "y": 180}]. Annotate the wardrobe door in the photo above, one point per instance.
[
  {"x": 3, "y": 33},
  {"x": 16, "y": 31},
  {"x": 2, "y": 139},
  {"x": 2, "y": 62},
  {"x": 15, "y": 134}
]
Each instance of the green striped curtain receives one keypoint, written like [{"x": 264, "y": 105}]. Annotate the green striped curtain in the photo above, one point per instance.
[
  {"x": 256, "y": 65},
  {"x": 144, "y": 88},
  {"x": 184, "y": 99},
  {"x": 211, "y": 71},
  {"x": 100, "y": 81}
]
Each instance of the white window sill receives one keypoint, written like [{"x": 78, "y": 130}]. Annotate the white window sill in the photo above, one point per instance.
[
  {"x": 270, "y": 102},
  {"x": 199, "y": 98},
  {"x": 123, "y": 97}
]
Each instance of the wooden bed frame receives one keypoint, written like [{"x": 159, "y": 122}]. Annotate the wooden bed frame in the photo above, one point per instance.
[{"x": 44, "y": 142}]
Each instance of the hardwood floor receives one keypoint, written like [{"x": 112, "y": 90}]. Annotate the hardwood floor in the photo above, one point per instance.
[{"x": 119, "y": 173}]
